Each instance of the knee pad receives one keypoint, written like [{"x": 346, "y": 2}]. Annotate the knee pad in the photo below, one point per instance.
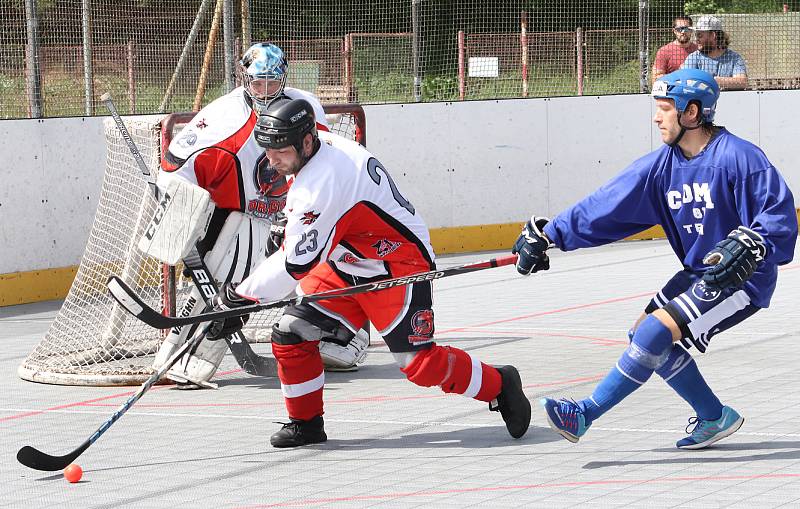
[
  {"x": 339, "y": 347},
  {"x": 651, "y": 343},
  {"x": 284, "y": 337}
]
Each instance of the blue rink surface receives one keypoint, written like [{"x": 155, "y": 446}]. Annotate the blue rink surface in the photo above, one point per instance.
[{"x": 394, "y": 444}]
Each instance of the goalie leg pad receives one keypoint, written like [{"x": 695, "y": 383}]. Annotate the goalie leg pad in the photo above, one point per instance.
[
  {"x": 236, "y": 250},
  {"x": 201, "y": 364},
  {"x": 341, "y": 350},
  {"x": 454, "y": 371},
  {"x": 179, "y": 335}
]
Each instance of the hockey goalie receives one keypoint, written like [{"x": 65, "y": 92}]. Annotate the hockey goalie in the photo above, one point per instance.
[{"x": 220, "y": 208}]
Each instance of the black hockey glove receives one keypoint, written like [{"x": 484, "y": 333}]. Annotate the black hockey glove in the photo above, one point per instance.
[
  {"x": 277, "y": 231},
  {"x": 532, "y": 245},
  {"x": 734, "y": 259},
  {"x": 227, "y": 298}
]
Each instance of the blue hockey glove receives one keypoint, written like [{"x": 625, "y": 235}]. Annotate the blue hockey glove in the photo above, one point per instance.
[
  {"x": 734, "y": 259},
  {"x": 531, "y": 246},
  {"x": 227, "y": 298}
]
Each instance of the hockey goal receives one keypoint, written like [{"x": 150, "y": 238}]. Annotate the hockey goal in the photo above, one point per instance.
[{"x": 92, "y": 341}]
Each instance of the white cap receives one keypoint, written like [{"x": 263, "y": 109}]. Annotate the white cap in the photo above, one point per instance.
[{"x": 708, "y": 24}]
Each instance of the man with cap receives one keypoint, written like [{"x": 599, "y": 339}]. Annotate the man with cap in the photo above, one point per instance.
[{"x": 714, "y": 56}]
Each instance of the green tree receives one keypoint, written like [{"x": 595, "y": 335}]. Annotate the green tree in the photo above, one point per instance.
[{"x": 737, "y": 6}]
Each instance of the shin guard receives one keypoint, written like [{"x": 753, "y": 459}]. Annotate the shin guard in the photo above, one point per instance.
[
  {"x": 455, "y": 371},
  {"x": 302, "y": 378}
]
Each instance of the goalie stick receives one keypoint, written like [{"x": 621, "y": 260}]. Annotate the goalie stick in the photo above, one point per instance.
[
  {"x": 38, "y": 460},
  {"x": 247, "y": 359},
  {"x": 129, "y": 300}
]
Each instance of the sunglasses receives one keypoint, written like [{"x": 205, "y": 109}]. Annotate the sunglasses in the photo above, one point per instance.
[{"x": 682, "y": 29}]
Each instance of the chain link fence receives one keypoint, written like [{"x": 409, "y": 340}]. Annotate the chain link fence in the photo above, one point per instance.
[{"x": 58, "y": 56}]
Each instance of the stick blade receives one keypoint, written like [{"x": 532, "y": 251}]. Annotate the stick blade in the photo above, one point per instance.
[
  {"x": 38, "y": 460},
  {"x": 134, "y": 305}
]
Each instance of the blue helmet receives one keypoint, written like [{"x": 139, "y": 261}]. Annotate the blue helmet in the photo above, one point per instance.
[
  {"x": 686, "y": 85},
  {"x": 262, "y": 61}
]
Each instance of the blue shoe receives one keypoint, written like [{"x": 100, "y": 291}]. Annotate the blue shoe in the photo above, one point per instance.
[
  {"x": 706, "y": 433},
  {"x": 565, "y": 417}
]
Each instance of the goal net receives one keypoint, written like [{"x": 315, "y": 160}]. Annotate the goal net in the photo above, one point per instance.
[{"x": 93, "y": 341}]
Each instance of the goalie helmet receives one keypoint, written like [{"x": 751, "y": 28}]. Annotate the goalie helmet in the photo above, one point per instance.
[
  {"x": 262, "y": 72},
  {"x": 686, "y": 85},
  {"x": 285, "y": 123}
]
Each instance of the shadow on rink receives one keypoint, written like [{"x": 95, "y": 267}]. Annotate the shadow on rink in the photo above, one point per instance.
[{"x": 706, "y": 456}]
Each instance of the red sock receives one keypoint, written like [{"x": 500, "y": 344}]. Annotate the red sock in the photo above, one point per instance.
[
  {"x": 455, "y": 371},
  {"x": 302, "y": 377}
]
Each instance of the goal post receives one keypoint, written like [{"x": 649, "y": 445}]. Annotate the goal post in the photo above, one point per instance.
[{"x": 92, "y": 341}]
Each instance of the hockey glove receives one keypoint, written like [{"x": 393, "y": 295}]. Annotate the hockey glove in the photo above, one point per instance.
[
  {"x": 734, "y": 259},
  {"x": 277, "y": 231},
  {"x": 531, "y": 246},
  {"x": 227, "y": 298}
]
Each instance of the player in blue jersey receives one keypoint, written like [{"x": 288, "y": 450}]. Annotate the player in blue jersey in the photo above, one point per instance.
[{"x": 730, "y": 219}]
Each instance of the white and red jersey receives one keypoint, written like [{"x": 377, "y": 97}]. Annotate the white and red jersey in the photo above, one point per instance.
[
  {"x": 228, "y": 123},
  {"x": 344, "y": 209}
]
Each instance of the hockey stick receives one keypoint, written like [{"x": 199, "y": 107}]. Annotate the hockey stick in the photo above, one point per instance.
[
  {"x": 247, "y": 359},
  {"x": 129, "y": 300},
  {"x": 36, "y": 459}
]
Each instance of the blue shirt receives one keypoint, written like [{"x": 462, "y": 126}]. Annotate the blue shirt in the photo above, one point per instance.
[
  {"x": 696, "y": 201},
  {"x": 726, "y": 65}
]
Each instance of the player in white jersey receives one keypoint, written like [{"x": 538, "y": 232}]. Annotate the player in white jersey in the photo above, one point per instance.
[
  {"x": 349, "y": 224},
  {"x": 247, "y": 193}
]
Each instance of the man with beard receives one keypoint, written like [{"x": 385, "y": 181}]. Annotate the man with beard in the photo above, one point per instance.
[
  {"x": 671, "y": 55},
  {"x": 714, "y": 57}
]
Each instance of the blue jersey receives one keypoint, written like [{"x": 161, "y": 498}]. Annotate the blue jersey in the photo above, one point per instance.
[{"x": 697, "y": 201}]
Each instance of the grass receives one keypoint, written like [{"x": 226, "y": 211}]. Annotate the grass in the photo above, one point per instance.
[{"x": 64, "y": 96}]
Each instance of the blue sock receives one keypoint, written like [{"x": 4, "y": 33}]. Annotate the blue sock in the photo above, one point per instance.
[
  {"x": 647, "y": 351},
  {"x": 681, "y": 373}
]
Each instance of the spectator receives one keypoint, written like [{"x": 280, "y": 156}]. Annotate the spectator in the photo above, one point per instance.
[
  {"x": 671, "y": 55},
  {"x": 714, "y": 57}
]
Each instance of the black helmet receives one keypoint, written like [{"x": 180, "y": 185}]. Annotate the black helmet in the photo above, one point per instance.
[{"x": 285, "y": 122}]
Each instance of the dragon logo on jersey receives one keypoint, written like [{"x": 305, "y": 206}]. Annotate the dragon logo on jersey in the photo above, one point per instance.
[
  {"x": 309, "y": 217},
  {"x": 422, "y": 326},
  {"x": 272, "y": 189},
  {"x": 704, "y": 292},
  {"x": 201, "y": 124},
  {"x": 384, "y": 247},
  {"x": 348, "y": 258}
]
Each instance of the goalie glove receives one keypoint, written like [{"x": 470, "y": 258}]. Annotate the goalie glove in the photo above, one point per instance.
[
  {"x": 531, "y": 246},
  {"x": 277, "y": 232},
  {"x": 735, "y": 258},
  {"x": 227, "y": 298}
]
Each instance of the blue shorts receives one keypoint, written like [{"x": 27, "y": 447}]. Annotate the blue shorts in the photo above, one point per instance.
[{"x": 701, "y": 312}]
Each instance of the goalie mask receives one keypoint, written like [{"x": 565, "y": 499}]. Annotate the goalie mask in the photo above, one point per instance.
[{"x": 262, "y": 72}]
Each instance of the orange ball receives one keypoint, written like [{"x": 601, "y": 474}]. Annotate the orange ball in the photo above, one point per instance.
[{"x": 73, "y": 473}]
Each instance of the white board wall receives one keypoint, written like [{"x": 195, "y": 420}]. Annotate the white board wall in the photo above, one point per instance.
[{"x": 461, "y": 164}]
